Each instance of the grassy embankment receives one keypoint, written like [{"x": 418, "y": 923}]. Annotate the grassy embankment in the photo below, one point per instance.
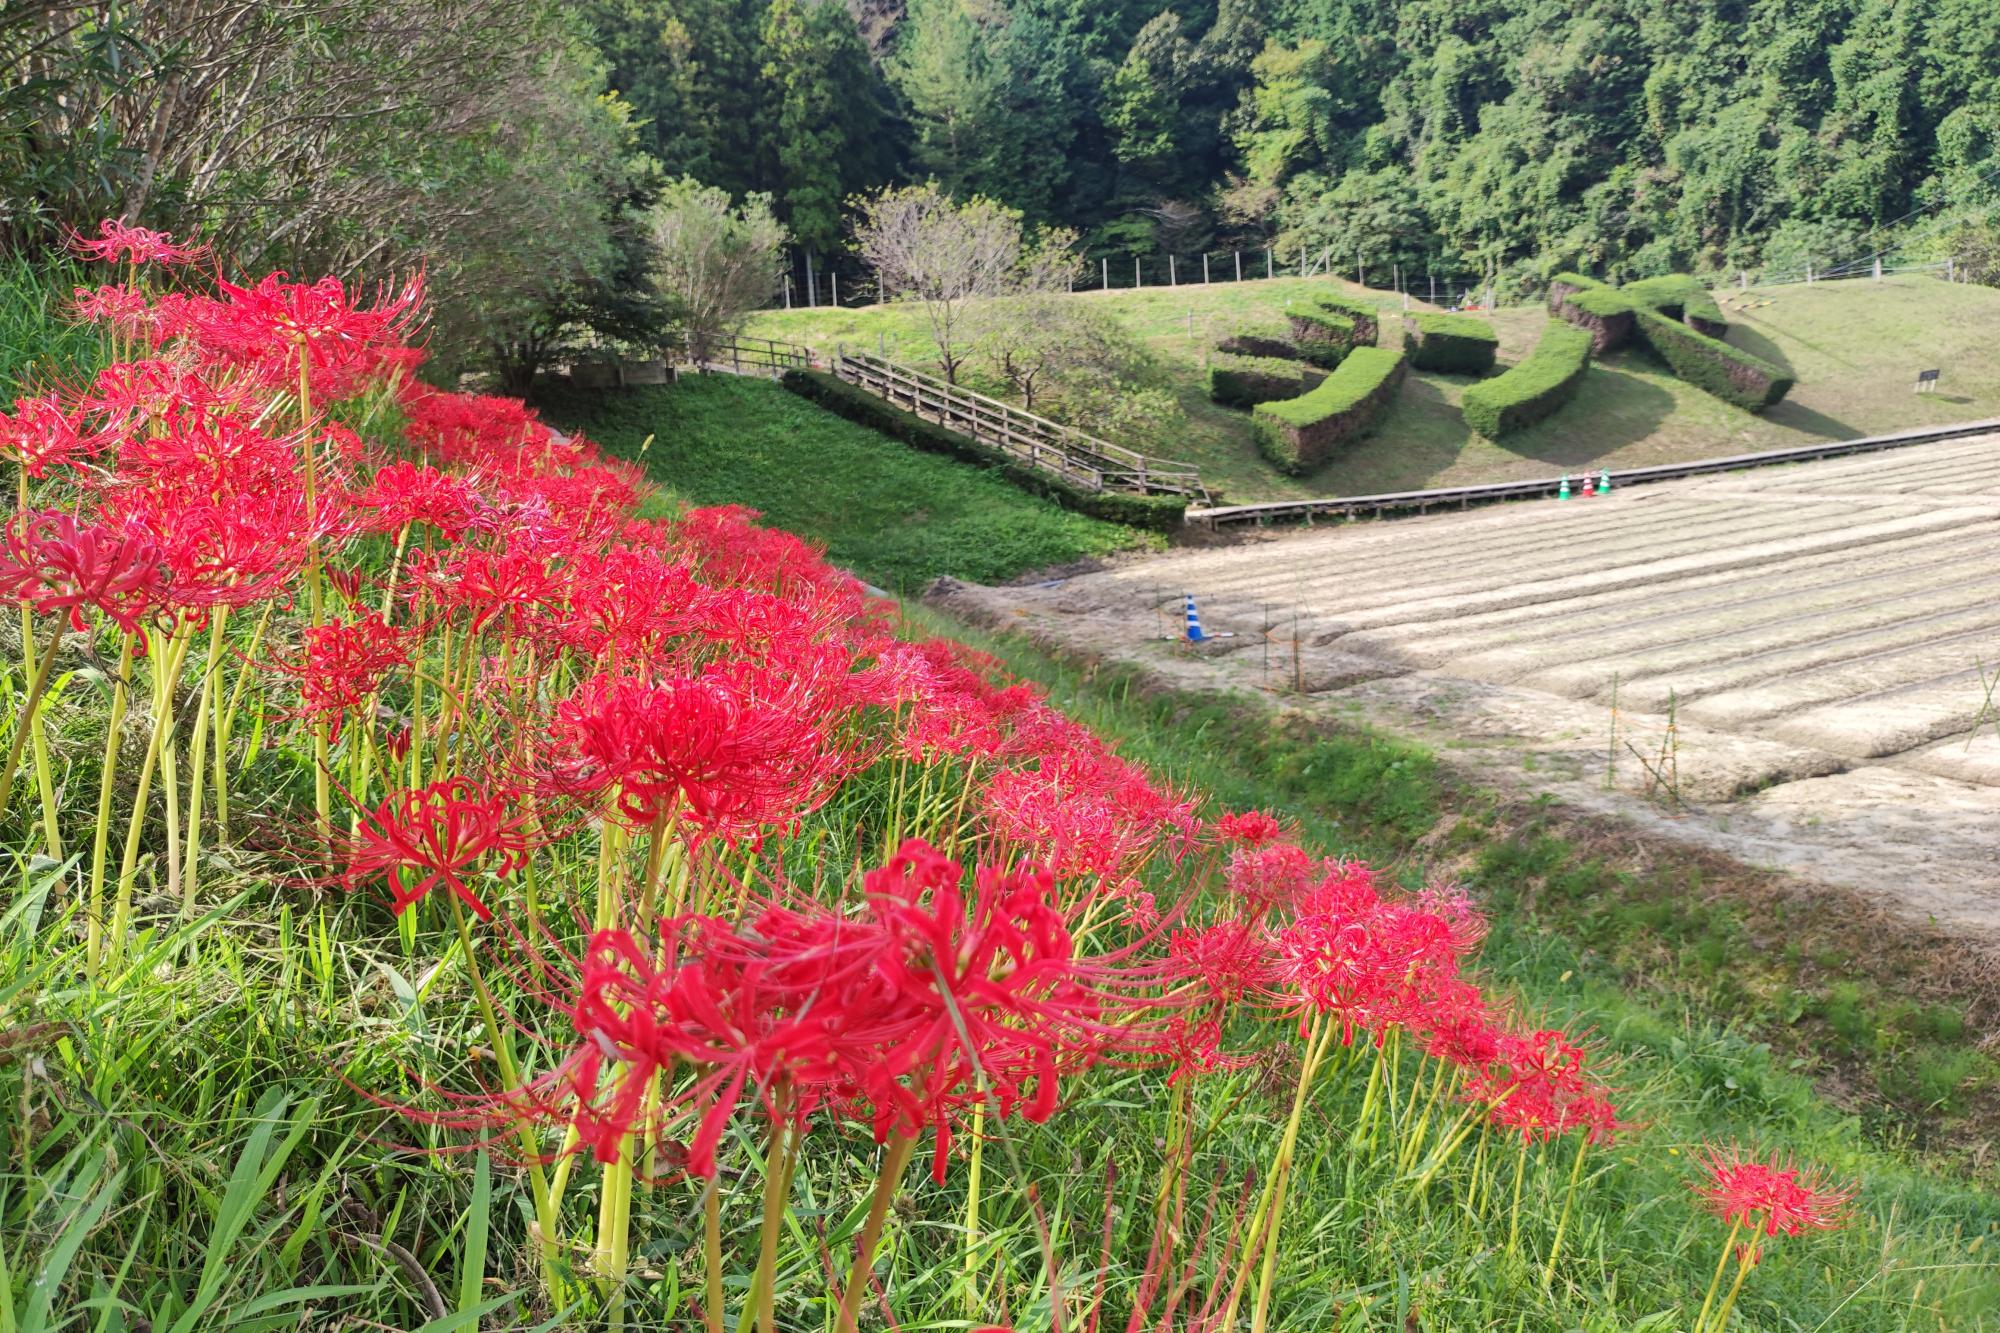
[
  {"x": 1855, "y": 347},
  {"x": 893, "y": 515}
]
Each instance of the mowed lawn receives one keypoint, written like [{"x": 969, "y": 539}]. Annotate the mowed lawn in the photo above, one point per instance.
[
  {"x": 893, "y": 515},
  {"x": 1855, "y": 346}
]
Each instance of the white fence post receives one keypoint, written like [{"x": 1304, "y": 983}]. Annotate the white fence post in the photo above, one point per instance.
[
  {"x": 834, "y": 278},
  {"x": 1106, "y": 262},
  {"x": 1204, "y": 267},
  {"x": 1267, "y": 261},
  {"x": 1138, "y": 278},
  {"x": 1434, "y": 288},
  {"x": 788, "y": 291},
  {"x": 1239, "y": 266},
  {"x": 1173, "y": 276},
  {"x": 1878, "y": 268}
]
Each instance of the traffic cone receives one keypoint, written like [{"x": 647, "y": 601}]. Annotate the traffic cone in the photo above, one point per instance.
[
  {"x": 1604, "y": 482},
  {"x": 1194, "y": 633},
  {"x": 1563, "y": 494},
  {"x": 1587, "y": 491}
]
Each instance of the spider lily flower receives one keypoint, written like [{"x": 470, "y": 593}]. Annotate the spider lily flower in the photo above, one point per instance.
[
  {"x": 436, "y": 836},
  {"x": 51, "y": 562},
  {"x": 116, "y": 242}
]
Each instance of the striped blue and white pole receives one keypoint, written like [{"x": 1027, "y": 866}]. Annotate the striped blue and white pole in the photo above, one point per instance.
[{"x": 1193, "y": 622}]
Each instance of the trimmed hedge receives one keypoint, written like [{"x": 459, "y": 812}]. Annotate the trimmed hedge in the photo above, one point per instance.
[
  {"x": 1731, "y": 374},
  {"x": 1323, "y": 337},
  {"x": 1245, "y": 381},
  {"x": 1604, "y": 314},
  {"x": 1564, "y": 285},
  {"x": 1251, "y": 342},
  {"x": 1299, "y": 434},
  {"x": 1359, "y": 313},
  {"x": 1159, "y": 513},
  {"x": 1453, "y": 344},
  {"x": 1541, "y": 383},
  {"x": 1682, "y": 297}
]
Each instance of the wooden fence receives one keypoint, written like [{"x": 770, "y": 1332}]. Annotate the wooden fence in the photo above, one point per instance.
[{"x": 1062, "y": 451}]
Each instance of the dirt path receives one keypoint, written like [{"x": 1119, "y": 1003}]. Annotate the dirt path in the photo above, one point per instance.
[{"x": 1820, "y": 637}]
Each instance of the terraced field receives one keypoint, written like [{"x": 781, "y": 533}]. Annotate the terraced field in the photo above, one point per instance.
[{"x": 1792, "y": 664}]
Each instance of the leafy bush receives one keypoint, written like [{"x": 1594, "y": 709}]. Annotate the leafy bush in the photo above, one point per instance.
[
  {"x": 1299, "y": 434},
  {"x": 1323, "y": 337},
  {"x": 1245, "y": 381},
  {"x": 1534, "y": 389},
  {"x": 1679, "y": 296},
  {"x": 1731, "y": 374},
  {"x": 1453, "y": 344},
  {"x": 1157, "y": 513}
]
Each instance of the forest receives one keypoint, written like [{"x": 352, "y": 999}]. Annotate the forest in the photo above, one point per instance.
[
  {"x": 1615, "y": 136},
  {"x": 512, "y": 148}
]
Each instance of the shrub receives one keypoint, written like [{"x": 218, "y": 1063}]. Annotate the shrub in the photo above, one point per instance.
[
  {"x": 1245, "y": 381},
  {"x": 1255, "y": 342},
  {"x": 1563, "y": 285},
  {"x": 1535, "y": 388},
  {"x": 1604, "y": 312},
  {"x": 1731, "y": 374},
  {"x": 1454, "y": 344},
  {"x": 1157, "y": 513},
  {"x": 1359, "y": 313},
  {"x": 1682, "y": 297},
  {"x": 1323, "y": 337},
  {"x": 1299, "y": 434}
]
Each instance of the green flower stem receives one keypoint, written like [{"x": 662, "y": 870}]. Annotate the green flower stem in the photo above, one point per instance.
[
  {"x": 106, "y": 775},
  {"x": 30, "y": 709},
  {"x": 1562, "y": 1221},
  {"x": 197, "y": 755},
  {"x": 894, "y": 1159},
  {"x": 1715, "y": 1283}
]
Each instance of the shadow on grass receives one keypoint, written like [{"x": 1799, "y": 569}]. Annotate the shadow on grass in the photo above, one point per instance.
[
  {"x": 1620, "y": 407},
  {"x": 1800, "y": 417},
  {"x": 1747, "y": 339}
]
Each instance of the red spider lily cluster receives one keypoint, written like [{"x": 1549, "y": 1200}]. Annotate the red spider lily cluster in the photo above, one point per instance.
[{"x": 502, "y": 696}]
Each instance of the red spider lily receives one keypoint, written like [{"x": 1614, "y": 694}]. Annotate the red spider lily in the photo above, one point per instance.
[
  {"x": 53, "y": 563},
  {"x": 1777, "y": 1196},
  {"x": 442, "y": 831},
  {"x": 115, "y": 242},
  {"x": 402, "y": 494},
  {"x": 1543, "y": 1088},
  {"x": 1227, "y": 959},
  {"x": 269, "y": 326},
  {"x": 1192, "y": 1045},
  {"x": 1264, "y": 878},
  {"x": 44, "y": 433},
  {"x": 1252, "y": 828},
  {"x": 737, "y": 750},
  {"x": 343, "y": 664}
]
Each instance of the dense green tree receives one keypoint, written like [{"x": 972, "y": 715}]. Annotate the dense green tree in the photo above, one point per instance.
[{"x": 828, "y": 113}]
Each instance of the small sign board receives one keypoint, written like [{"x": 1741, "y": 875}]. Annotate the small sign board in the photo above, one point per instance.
[{"x": 1927, "y": 381}]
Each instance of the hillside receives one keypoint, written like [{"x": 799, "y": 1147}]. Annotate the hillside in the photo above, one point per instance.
[
  {"x": 1855, "y": 347},
  {"x": 896, "y": 517}
]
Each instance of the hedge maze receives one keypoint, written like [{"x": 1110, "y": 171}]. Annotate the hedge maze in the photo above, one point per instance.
[
  {"x": 1676, "y": 320},
  {"x": 1544, "y": 380},
  {"x": 1450, "y": 344},
  {"x": 1298, "y": 434}
]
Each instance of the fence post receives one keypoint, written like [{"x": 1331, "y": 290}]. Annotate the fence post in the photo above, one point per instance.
[
  {"x": 788, "y": 291},
  {"x": 1809, "y": 273},
  {"x": 1878, "y": 268},
  {"x": 1138, "y": 279},
  {"x": 1204, "y": 268},
  {"x": 1106, "y": 265},
  {"x": 1239, "y": 266},
  {"x": 834, "y": 278},
  {"x": 1360, "y": 273},
  {"x": 1267, "y": 261},
  {"x": 1302, "y": 261},
  {"x": 1742, "y": 280},
  {"x": 1951, "y": 268},
  {"x": 1173, "y": 278},
  {"x": 1434, "y": 288}
]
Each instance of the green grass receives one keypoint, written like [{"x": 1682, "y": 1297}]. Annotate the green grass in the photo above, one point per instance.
[
  {"x": 39, "y": 345},
  {"x": 1855, "y": 348},
  {"x": 896, "y": 517},
  {"x": 1717, "y": 1031}
]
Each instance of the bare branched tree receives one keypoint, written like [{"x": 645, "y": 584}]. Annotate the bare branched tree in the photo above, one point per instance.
[{"x": 924, "y": 247}]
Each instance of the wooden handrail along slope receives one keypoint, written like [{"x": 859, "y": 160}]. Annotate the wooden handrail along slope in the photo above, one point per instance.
[{"x": 1063, "y": 451}]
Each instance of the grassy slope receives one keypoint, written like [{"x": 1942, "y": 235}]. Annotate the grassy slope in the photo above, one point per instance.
[
  {"x": 1663, "y": 978},
  {"x": 1855, "y": 347},
  {"x": 893, "y": 515}
]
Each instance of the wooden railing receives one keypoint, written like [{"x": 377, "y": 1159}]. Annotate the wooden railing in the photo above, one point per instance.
[
  {"x": 741, "y": 355},
  {"x": 1063, "y": 451}
]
